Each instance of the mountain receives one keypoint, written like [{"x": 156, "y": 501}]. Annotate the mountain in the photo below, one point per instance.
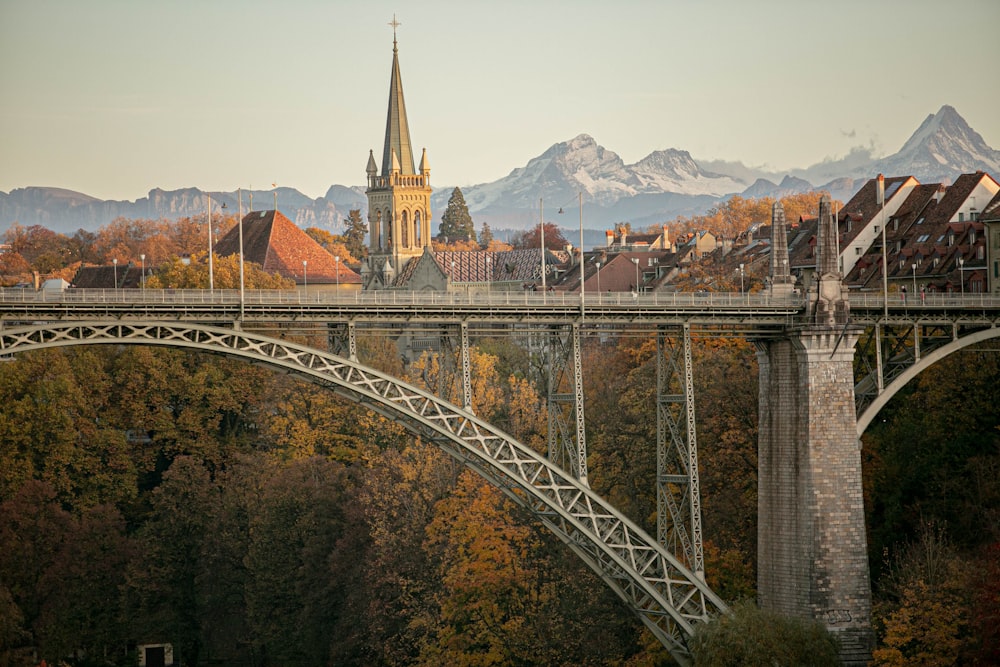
[
  {"x": 558, "y": 175},
  {"x": 65, "y": 211},
  {"x": 661, "y": 186}
]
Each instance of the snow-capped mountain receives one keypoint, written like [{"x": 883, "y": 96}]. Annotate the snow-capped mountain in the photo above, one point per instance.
[
  {"x": 942, "y": 148},
  {"x": 661, "y": 186}
]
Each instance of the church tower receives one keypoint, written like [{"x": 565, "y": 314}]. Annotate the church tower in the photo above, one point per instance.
[{"x": 399, "y": 197}]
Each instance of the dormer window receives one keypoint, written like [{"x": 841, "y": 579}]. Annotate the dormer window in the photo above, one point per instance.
[
  {"x": 935, "y": 262},
  {"x": 951, "y": 238},
  {"x": 895, "y": 224},
  {"x": 981, "y": 252},
  {"x": 972, "y": 236}
]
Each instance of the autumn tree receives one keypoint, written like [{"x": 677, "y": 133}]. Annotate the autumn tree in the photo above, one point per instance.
[
  {"x": 485, "y": 236},
  {"x": 456, "y": 223},
  {"x": 531, "y": 238}
]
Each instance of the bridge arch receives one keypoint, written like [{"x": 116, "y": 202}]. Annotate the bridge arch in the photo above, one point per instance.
[
  {"x": 668, "y": 598},
  {"x": 926, "y": 361}
]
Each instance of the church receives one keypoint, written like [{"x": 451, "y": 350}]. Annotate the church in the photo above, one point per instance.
[
  {"x": 400, "y": 255},
  {"x": 399, "y": 196}
]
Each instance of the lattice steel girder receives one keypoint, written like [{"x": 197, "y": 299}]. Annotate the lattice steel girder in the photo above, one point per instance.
[
  {"x": 665, "y": 595},
  {"x": 567, "y": 446},
  {"x": 342, "y": 339},
  {"x": 677, "y": 483}
]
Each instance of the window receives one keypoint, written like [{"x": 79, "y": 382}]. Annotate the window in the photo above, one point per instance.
[
  {"x": 895, "y": 224},
  {"x": 981, "y": 252},
  {"x": 972, "y": 236},
  {"x": 973, "y": 214},
  {"x": 857, "y": 251},
  {"x": 951, "y": 238},
  {"x": 935, "y": 262},
  {"x": 920, "y": 221},
  {"x": 924, "y": 237},
  {"x": 961, "y": 217}
]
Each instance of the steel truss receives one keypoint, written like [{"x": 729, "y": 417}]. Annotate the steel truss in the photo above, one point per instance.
[
  {"x": 567, "y": 446},
  {"x": 668, "y": 598},
  {"x": 342, "y": 339},
  {"x": 891, "y": 354},
  {"x": 678, "y": 494}
]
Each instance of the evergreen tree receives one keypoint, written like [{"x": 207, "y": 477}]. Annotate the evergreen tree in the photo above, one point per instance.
[
  {"x": 354, "y": 235},
  {"x": 456, "y": 223},
  {"x": 485, "y": 236}
]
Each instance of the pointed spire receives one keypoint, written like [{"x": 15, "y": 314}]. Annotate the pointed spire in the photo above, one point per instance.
[
  {"x": 827, "y": 241},
  {"x": 372, "y": 168},
  {"x": 425, "y": 166},
  {"x": 780, "y": 273},
  {"x": 397, "y": 129},
  {"x": 395, "y": 161}
]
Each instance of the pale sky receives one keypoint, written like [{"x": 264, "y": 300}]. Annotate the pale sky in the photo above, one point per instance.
[{"x": 115, "y": 97}]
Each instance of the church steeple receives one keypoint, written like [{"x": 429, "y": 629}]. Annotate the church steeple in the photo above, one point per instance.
[
  {"x": 397, "y": 129},
  {"x": 399, "y": 198}
]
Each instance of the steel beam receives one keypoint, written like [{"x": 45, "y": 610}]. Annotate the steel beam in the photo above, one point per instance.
[{"x": 678, "y": 495}]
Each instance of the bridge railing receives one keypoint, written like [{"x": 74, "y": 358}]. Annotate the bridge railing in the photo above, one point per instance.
[{"x": 403, "y": 298}]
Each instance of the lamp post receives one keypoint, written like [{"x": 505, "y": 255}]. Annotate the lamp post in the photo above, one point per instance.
[
  {"x": 115, "y": 262},
  {"x": 741, "y": 279},
  {"x": 305, "y": 278},
  {"x": 142, "y": 278},
  {"x": 239, "y": 193},
  {"x": 336, "y": 259},
  {"x": 914, "y": 265},
  {"x": 598, "y": 264},
  {"x": 635, "y": 260},
  {"x": 211, "y": 269},
  {"x": 961, "y": 273}
]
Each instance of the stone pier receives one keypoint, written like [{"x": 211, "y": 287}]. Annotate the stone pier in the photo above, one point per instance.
[{"x": 812, "y": 551}]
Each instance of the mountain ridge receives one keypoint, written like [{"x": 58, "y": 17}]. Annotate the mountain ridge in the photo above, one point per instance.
[{"x": 664, "y": 184}]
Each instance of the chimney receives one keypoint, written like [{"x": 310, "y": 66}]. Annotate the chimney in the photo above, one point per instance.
[{"x": 609, "y": 237}]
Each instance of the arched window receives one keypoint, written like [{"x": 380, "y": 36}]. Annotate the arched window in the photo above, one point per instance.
[
  {"x": 404, "y": 229},
  {"x": 377, "y": 231},
  {"x": 417, "y": 230},
  {"x": 388, "y": 230}
]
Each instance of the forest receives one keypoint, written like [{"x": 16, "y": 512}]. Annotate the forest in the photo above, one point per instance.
[{"x": 249, "y": 518}]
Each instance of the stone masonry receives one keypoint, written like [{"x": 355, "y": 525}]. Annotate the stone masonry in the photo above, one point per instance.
[{"x": 812, "y": 551}]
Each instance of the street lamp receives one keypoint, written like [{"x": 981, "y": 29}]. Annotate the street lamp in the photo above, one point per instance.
[
  {"x": 142, "y": 278},
  {"x": 635, "y": 260},
  {"x": 336, "y": 258},
  {"x": 598, "y": 264},
  {"x": 211, "y": 269},
  {"x": 914, "y": 265},
  {"x": 305, "y": 278},
  {"x": 115, "y": 262},
  {"x": 961, "y": 273},
  {"x": 741, "y": 279}
]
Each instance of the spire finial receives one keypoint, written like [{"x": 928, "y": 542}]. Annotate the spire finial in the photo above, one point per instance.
[{"x": 395, "y": 24}]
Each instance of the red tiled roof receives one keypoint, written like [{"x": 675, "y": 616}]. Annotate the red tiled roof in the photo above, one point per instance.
[{"x": 279, "y": 246}]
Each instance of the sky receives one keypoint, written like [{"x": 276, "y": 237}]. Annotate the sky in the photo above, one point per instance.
[{"x": 113, "y": 98}]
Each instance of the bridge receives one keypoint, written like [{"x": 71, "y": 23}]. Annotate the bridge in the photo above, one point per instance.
[{"x": 661, "y": 579}]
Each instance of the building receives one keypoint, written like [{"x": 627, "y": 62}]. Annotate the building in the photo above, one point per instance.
[
  {"x": 279, "y": 246},
  {"x": 399, "y": 196}
]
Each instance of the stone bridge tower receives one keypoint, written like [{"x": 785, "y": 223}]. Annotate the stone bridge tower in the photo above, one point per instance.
[
  {"x": 812, "y": 548},
  {"x": 399, "y": 197}
]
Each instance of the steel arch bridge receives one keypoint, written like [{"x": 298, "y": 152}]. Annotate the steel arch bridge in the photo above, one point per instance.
[{"x": 667, "y": 597}]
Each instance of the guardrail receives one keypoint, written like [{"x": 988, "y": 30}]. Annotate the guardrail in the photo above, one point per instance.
[{"x": 193, "y": 297}]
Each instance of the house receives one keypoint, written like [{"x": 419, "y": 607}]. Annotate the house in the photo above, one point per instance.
[
  {"x": 935, "y": 240},
  {"x": 279, "y": 246},
  {"x": 113, "y": 276},
  {"x": 473, "y": 270},
  {"x": 990, "y": 217}
]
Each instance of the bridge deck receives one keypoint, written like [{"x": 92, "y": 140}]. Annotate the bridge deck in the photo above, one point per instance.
[{"x": 747, "y": 314}]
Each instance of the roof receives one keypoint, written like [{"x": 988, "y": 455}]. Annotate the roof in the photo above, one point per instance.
[
  {"x": 279, "y": 246},
  {"x": 128, "y": 276},
  {"x": 397, "y": 130}
]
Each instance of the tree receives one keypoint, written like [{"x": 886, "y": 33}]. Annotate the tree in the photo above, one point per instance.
[
  {"x": 485, "y": 236},
  {"x": 531, "y": 238},
  {"x": 456, "y": 223},
  {"x": 756, "y": 638},
  {"x": 355, "y": 229}
]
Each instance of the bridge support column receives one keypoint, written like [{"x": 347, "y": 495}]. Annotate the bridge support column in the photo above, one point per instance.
[
  {"x": 567, "y": 445},
  {"x": 342, "y": 340},
  {"x": 812, "y": 550},
  {"x": 678, "y": 495}
]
